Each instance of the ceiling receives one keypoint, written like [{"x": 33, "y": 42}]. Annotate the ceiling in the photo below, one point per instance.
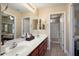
[
  {"x": 41, "y": 5},
  {"x": 20, "y": 8}
]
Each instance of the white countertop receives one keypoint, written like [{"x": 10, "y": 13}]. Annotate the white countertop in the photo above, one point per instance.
[{"x": 24, "y": 48}]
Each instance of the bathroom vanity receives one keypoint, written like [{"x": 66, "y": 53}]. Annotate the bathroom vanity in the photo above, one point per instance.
[
  {"x": 35, "y": 47},
  {"x": 40, "y": 50}
]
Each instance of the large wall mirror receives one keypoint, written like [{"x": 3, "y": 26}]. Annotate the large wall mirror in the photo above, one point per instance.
[
  {"x": 35, "y": 24},
  {"x": 7, "y": 24},
  {"x": 38, "y": 24},
  {"x": 8, "y": 27}
]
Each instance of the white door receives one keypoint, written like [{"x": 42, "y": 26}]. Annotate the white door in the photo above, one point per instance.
[
  {"x": 26, "y": 25},
  {"x": 62, "y": 31}
]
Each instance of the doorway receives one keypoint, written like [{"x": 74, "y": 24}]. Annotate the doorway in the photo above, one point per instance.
[
  {"x": 54, "y": 28},
  {"x": 58, "y": 30},
  {"x": 25, "y": 25}
]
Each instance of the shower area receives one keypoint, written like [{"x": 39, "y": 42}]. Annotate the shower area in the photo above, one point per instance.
[{"x": 57, "y": 29}]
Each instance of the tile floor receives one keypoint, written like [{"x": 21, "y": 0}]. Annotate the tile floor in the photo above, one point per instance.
[{"x": 55, "y": 50}]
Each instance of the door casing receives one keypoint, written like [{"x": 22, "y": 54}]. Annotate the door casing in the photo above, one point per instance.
[{"x": 49, "y": 40}]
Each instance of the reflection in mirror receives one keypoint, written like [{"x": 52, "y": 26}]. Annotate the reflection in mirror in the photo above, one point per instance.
[
  {"x": 7, "y": 32},
  {"x": 35, "y": 24},
  {"x": 38, "y": 24},
  {"x": 41, "y": 24},
  {"x": 7, "y": 24},
  {"x": 5, "y": 28}
]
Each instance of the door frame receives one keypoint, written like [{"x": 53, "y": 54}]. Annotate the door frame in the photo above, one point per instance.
[
  {"x": 61, "y": 12},
  {"x": 71, "y": 29},
  {"x": 22, "y": 24}
]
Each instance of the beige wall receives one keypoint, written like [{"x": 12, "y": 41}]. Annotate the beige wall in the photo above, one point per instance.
[
  {"x": 32, "y": 16},
  {"x": 45, "y": 12}
]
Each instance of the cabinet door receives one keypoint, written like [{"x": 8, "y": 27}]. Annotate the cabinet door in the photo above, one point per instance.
[
  {"x": 43, "y": 48},
  {"x": 40, "y": 50}
]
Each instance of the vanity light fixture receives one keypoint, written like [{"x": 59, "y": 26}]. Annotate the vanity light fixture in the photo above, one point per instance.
[
  {"x": 11, "y": 18},
  {"x": 29, "y": 6}
]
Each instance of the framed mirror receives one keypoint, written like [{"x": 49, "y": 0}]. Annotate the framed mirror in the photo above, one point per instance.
[
  {"x": 7, "y": 24},
  {"x": 35, "y": 24},
  {"x": 38, "y": 24}
]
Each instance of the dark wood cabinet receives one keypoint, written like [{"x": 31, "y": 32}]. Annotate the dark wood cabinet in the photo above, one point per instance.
[
  {"x": 40, "y": 50},
  {"x": 34, "y": 53}
]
